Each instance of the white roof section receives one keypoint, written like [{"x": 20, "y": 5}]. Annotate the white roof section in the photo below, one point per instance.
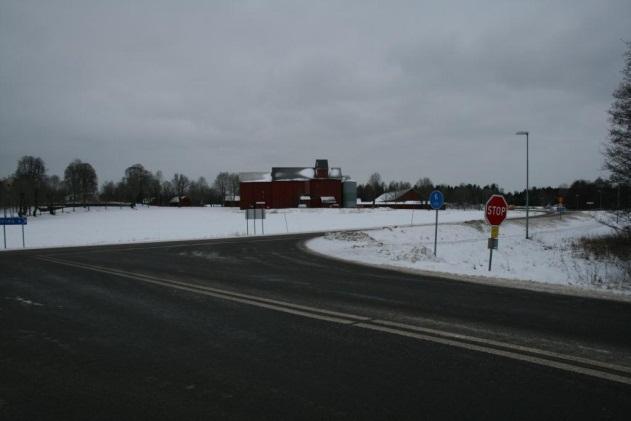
[
  {"x": 255, "y": 177},
  {"x": 335, "y": 172},
  {"x": 391, "y": 196},
  {"x": 292, "y": 173},
  {"x": 387, "y": 197}
]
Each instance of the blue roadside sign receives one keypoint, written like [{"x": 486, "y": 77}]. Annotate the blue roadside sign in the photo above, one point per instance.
[
  {"x": 436, "y": 199},
  {"x": 13, "y": 221}
]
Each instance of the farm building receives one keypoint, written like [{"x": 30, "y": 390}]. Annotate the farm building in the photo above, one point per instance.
[
  {"x": 180, "y": 201},
  {"x": 292, "y": 187}
]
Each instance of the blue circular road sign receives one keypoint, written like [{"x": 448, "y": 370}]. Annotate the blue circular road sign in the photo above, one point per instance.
[{"x": 436, "y": 199}]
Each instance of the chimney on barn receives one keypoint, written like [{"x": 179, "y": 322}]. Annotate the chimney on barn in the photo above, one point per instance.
[{"x": 322, "y": 168}]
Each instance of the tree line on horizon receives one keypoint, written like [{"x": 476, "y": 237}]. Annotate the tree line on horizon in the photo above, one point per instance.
[
  {"x": 31, "y": 189},
  {"x": 581, "y": 194}
]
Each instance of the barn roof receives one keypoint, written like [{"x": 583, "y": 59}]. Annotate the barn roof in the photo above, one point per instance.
[
  {"x": 392, "y": 196},
  {"x": 287, "y": 174},
  {"x": 253, "y": 177},
  {"x": 292, "y": 173}
]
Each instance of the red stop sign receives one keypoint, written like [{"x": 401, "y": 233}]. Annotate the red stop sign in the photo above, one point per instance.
[{"x": 496, "y": 209}]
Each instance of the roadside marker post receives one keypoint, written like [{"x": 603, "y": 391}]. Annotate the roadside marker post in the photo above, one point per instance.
[
  {"x": 13, "y": 221},
  {"x": 495, "y": 212},
  {"x": 436, "y": 201},
  {"x": 254, "y": 214}
]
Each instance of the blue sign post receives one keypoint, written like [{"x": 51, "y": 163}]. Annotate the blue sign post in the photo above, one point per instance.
[
  {"x": 12, "y": 221},
  {"x": 436, "y": 201}
]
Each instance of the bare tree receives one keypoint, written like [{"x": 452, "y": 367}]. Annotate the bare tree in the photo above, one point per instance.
[
  {"x": 108, "y": 192},
  {"x": 71, "y": 179},
  {"x": 180, "y": 184},
  {"x": 167, "y": 191},
  {"x": 136, "y": 182},
  {"x": 222, "y": 184},
  {"x": 88, "y": 182},
  {"x": 54, "y": 192},
  {"x": 81, "y": 181},
  {"x": 618, "y": 150},
  {"x": 199, "y": 191},
  {"x": 424, "y": 187},
  {"x": 155, "y": 188},
  {"x": 30, "y": 176},
  {"x": 235, "y": 184},
  {"x": 375, "y": 186}
]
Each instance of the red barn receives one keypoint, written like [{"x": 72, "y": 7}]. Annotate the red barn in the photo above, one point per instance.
[{"x": 292, "y": 187}]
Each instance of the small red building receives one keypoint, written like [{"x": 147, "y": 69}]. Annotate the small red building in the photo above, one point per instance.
[{"x": 292, "y": 187}]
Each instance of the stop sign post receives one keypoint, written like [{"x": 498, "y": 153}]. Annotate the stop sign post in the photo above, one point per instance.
[{"x": 495, "y": 212}]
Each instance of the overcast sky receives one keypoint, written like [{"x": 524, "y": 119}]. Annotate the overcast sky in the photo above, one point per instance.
[{"x": 405, "y": 88}]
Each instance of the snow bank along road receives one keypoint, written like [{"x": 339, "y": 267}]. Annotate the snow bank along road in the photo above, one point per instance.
[
  {"x": 550, "y": 259},
  {"x": 260, "y": 328}
]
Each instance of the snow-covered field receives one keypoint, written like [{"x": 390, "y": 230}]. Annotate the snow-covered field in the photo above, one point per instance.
[
  {"x": 115, "y": 225},
  {"x": 551, "y": 256}
]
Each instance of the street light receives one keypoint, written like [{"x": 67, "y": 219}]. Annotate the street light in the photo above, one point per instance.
[{"x": 525, "y": 133}]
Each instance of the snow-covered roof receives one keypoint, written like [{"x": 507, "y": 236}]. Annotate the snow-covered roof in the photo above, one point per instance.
[
  {"x": 287, "y": 174},
  {"x": 292, "y": 173},
  {"x": 391, "y": 196},
  {"x": 178, "y": 199},
  {"x": 335, "y": 172},
  {"x": 253, "y": 177}
]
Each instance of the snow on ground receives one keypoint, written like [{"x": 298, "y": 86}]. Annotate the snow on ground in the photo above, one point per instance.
[
  {"x": 551, "y": 256},
  {"x": 125, "y": 225}
]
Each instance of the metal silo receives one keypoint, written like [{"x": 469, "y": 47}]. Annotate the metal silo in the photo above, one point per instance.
[{"x": 349, "y": 194}]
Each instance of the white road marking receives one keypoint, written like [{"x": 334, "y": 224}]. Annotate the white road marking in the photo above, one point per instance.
[{"x": 507, "y": 350}]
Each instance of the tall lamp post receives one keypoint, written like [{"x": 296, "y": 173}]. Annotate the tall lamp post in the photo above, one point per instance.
[{"x": 525, "y": 133}]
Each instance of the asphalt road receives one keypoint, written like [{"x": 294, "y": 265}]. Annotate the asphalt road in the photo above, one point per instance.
[{"x": 261, "y": 329}]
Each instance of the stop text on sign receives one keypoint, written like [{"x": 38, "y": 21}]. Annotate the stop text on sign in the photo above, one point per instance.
[{"x": 495, "y": 210}]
